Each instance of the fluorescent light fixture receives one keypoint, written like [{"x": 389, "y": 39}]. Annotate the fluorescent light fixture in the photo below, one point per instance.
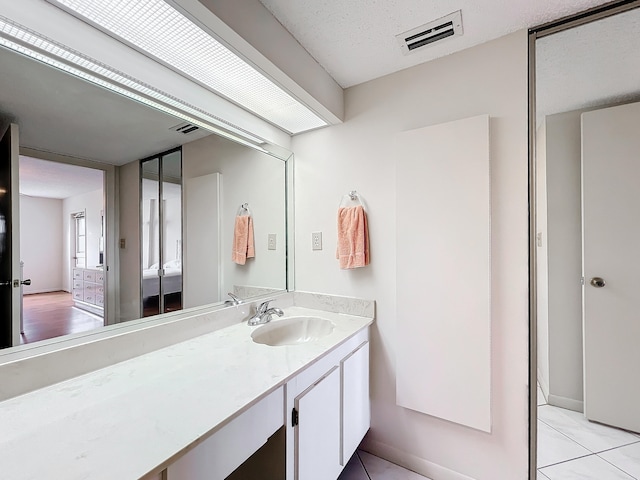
[
  {"x": 157, "y": 29},
  {"x": 38, "y": 47}
]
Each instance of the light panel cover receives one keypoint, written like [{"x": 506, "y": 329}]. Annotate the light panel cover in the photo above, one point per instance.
[{"x": 159, "y": 30}]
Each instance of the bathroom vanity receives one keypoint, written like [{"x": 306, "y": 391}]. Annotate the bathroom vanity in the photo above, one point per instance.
[{"x": 202, "y": 407}]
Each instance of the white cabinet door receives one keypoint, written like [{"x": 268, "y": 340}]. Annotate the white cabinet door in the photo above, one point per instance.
[
  {"x": 355, "y": 400},
  {"x": 317, "y": 434}
]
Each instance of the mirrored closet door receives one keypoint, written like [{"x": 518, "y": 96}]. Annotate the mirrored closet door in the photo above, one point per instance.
[{"x": 161, "y": 233}]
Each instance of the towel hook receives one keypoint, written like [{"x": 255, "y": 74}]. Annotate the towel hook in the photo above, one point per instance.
[{"x": 353, "y": 195}]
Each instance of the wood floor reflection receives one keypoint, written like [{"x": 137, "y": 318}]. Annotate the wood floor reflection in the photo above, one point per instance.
[{"x": 49, "y": 315}]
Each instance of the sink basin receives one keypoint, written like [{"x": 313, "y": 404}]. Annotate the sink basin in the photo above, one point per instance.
[{"x": 292, "y": 331}]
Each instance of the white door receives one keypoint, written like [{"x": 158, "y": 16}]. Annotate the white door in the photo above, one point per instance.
[
  {"x": 611, "y": 265},
  {"x": 10, "y": 292}
]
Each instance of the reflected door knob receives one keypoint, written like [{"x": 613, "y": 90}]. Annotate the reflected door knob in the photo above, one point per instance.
[{"x": 597, "y": 282}]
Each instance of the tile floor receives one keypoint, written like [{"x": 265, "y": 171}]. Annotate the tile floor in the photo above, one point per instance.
[
  {"x": 570, "y": 447},
  {"x": 364, "y": 466}
]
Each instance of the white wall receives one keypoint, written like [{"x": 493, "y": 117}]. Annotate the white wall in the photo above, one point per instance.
[
  {"x": 129, "y": 218},
  {"x": 565, "y": 259},
  {"x": 542, "y": 268},
  {"x": 93, "y": 204},
  {"x": 248, "y": 176},
  {"x": 487, "y": 79},
  {"x": 41, "y": 243}
]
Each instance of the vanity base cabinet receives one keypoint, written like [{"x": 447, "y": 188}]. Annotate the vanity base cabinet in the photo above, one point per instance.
[
  {"x": 224, "y": 451},
  {"x": 322, "y": 415},
  {"x": 328, "y": 406}
]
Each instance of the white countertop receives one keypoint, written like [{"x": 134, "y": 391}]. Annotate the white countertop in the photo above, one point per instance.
[{"x": 124, "y": 421}]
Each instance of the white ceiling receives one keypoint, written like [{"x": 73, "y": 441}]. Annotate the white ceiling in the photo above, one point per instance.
[
  {"x": 593, "y": 65},
  {"x": 40, "y": 178},
  {"x": 355, "y": 40},
  {"x": 59, "y": 113}
]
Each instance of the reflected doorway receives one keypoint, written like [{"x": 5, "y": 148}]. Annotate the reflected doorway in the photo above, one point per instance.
[{"x": 62, "y": 248}]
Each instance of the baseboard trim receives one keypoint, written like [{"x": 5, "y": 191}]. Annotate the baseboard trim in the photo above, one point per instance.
[
  {"x": 564, "y": 402},
  {"x": 544, "y": 385},
  {"x": 411, "y": 462},
  {"x": 44, "y": 290}
]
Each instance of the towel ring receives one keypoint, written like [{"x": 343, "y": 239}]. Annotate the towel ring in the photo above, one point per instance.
[
  {"x": 243, "y": 208},
  {"x": 349, "y": 198}
]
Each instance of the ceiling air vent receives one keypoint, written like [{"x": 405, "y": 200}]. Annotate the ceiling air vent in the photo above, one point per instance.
[
  {"x": 185, "y": 128},
  {"x": 431, "y": 32}
]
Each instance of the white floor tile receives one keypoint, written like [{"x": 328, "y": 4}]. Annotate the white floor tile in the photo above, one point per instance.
[
  {"x": 625, "y": 458},
  {"x": 586, "y": 468},
  {"x": 541, "y": 476},
  {"x": 554, "y": 447},
  {"x": 354, "y": 470},
  {"x": 592, "y": 436},
  {"x": 379, "y": 469}
]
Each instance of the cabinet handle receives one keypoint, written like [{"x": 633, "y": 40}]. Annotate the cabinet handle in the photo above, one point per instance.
[{"x": 294, "y": 417}]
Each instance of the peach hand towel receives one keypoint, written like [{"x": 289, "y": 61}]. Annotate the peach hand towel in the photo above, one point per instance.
[
  {"x": 353, "y": 237},
  {"x": 243, "y": 246}
]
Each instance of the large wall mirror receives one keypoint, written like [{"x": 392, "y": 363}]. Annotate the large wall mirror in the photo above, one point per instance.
[
  {"x": 587, "y": 172},
  {"x": 90, "y": 226}
]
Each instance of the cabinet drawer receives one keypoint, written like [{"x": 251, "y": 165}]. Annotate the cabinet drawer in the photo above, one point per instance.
[
  {"x": 99, "y": 300},
  {"x": 89, "y": 288},
  {"x": 99, "y": 290},
  {"x": 78, "y": 284},
  {"x": 77, "y": 273},
  {"x": 78, "y": 294},
  {"x": 89, "y": 298},
  {"x": 99, "y": 277},
  {"x": 89, "y": 276}
]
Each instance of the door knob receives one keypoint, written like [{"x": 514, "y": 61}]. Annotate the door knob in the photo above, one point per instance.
[
  {"x": 597, "y": 282},
  {"x": 26, "y": 282},
  {"x": 5, "y": 284}
]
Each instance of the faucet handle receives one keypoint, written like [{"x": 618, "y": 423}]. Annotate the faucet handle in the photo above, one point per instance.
[
  {"x": 235, "y": 299},
  {"x": 264, "y": 306}
]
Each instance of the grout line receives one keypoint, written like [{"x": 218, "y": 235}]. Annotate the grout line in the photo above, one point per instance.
[
  {"x": 616, "y": 466},
  {"x": 363, "y": 467},
  {"x": 567, "y": 436},
  {"x": 565, "y": 461}
]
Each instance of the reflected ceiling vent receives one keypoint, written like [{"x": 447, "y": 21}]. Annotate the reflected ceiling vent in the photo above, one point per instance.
[
  {"x": 429, "y": 33},
  {"x": 185, "y": 128}
]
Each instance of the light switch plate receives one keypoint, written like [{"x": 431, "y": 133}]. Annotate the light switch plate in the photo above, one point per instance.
[
  {"x": 316, "y": 241},
  {"x": 271, "y": 241}
]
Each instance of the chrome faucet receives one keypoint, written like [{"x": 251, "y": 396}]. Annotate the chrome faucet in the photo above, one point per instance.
[
  {"x": 235, "y": 300},
  {"x": 263, "y": 314}
]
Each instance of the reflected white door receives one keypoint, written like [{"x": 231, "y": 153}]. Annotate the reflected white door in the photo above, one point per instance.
[{"x": 611, "y": 252}]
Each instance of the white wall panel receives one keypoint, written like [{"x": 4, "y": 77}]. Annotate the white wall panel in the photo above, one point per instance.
[
  {"x": 443, "y": 271},
  {"x": 202, "y": 240}
]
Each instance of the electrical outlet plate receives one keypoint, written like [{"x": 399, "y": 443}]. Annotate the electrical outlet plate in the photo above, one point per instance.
[
  {"x": 316, "y": 241},
  {"x": 271, "y": 241}
]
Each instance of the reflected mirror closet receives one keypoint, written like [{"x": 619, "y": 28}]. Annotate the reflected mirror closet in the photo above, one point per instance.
[
  {"x": 585, "y": 151},
  {"x": 161, "y": 233}
]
